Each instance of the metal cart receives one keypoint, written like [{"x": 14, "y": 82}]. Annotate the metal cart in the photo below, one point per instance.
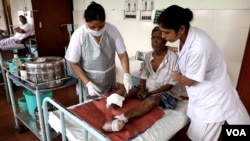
[{"x": 24, "y": 117}]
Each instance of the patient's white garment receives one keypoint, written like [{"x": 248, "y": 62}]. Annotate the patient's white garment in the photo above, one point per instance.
[
  {"x": 16, "y": 39},
  {"x": 115, "y": 99}
]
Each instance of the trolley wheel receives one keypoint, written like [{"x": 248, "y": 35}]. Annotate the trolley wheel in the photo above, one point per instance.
[{"x": 21, "y": 129}]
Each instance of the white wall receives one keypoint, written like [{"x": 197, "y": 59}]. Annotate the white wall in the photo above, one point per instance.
[
  {"x": 227, "y": 21},
  {"x": 17, "y": 8},
  {"x": 160, "y": 4}
]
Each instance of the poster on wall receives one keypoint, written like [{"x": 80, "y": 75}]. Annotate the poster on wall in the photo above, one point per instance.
[
  {"x": 130, "y": 9},
  {"x": 146, "y": 10},
  {"x": 157, "y": 14}
]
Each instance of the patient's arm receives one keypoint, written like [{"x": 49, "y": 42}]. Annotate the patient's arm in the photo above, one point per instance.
[
  {"x": 131, "y": 94},
  {"x": 19, "y": 30},
  {"x": 122, "y": 92}
]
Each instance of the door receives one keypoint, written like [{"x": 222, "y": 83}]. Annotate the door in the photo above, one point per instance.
[
  {"x": 243, "y": 86},
  {"x": 49, "y": 16}
]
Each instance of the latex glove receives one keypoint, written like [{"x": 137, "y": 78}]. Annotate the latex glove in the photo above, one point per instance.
[
  {"x": 93, "y": 89},
  {"x": 115, "y": 99},
  {"x": 127, "y": 81}
]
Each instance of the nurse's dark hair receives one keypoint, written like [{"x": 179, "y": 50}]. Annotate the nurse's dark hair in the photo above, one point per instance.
[
  {"x": 94, "y": 12},
  {"x": 173, "y": 17}
]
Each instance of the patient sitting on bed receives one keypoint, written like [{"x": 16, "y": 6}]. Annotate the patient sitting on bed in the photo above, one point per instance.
[
  {"x": 154, "y": 87},
  {"x": 21, "y": 32}
]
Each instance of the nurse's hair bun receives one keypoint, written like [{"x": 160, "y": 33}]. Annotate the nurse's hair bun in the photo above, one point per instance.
[{"x": 188, "y": 14}]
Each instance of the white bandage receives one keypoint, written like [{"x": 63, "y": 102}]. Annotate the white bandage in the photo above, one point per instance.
[
  {"x": 122, "y": 117},
  {"x": 115, "y": 99},
  {"x": 114, "y": 125}
]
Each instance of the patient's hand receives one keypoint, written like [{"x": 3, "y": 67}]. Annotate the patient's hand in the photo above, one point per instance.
[{"x": 142, "y": 94}]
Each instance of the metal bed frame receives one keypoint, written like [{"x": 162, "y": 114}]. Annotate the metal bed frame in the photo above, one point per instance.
[{"x": 87, "y": 128}]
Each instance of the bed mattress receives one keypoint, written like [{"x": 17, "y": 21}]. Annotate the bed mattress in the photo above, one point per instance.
[{"x": 162, "y": 130}]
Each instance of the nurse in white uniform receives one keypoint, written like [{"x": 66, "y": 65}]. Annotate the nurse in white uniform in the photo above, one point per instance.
[
  {"x": 213, "y": 99},
  {"x": 91, "y": 53}
]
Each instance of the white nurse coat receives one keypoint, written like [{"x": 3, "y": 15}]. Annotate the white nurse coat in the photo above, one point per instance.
[
  {"x": 213, "y": 98},
  {"x": 97, "y": 59}
]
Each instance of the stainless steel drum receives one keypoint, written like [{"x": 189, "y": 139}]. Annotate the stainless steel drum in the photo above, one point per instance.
[{"x": 46, "y": 71}]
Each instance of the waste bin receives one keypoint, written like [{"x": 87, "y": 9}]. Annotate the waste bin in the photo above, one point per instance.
[{"x": 31, "y": 100}]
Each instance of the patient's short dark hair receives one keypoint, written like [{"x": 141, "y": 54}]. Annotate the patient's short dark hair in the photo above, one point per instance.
[{"x": 157, "y": 28}]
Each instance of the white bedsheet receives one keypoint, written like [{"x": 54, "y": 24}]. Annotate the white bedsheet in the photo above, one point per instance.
[{"x": 162, "y": 130}]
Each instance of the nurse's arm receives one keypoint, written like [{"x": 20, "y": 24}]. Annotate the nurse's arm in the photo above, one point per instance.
[
  {"x": 182, "y": 79},
  {"x": 79, "y": 72},
  {"x": 124, "y": 62},
  {"x": 186, "y": 81}
]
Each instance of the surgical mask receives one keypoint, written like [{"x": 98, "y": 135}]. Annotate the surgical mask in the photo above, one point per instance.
[{"x": 96, "y": 33}]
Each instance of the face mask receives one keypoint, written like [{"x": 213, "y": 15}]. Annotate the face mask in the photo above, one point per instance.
[{"x": 96, "y": 33}]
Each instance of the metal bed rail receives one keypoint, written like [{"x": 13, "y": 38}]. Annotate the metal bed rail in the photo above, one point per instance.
[{"x": 87, "y": 128}]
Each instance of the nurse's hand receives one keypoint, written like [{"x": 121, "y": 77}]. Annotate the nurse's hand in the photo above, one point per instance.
[
  {"x": 175, "y": 75},
  {"x": 127, "y": 81},
  {"x": 93, "y": 89}
]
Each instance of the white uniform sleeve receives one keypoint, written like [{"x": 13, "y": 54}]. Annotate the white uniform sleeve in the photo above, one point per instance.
[
  {"x": 197, "y": 65},
  {"x": 116, "y": 35},
  {"x": 73, "y": 52}
]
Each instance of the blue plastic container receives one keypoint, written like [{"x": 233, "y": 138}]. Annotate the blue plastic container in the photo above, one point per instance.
[
  {"x": 31, "y": 100},
  {"x": 22, "y": 104},
  {"x": 13, "y": 67}
]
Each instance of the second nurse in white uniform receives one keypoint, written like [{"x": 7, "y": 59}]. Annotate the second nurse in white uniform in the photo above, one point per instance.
[{"x": 212, "y": 96}]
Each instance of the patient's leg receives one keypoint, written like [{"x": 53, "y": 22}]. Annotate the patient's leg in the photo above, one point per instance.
[{"x": 147, "y": 105}]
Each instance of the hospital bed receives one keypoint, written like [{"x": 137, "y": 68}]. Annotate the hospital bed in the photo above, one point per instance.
[{"x": 75, "y": 128}]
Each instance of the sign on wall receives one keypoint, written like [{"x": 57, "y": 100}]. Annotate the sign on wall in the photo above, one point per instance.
[
  {"x": 157, "y": 14},
  {"x": 146, "y": 10},
  {"x": 130, "y": 9}
]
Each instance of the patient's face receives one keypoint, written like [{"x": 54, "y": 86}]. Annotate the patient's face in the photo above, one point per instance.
[
  {"x": 22, "y": 20},
  {"x": 157, "y": 41}
]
